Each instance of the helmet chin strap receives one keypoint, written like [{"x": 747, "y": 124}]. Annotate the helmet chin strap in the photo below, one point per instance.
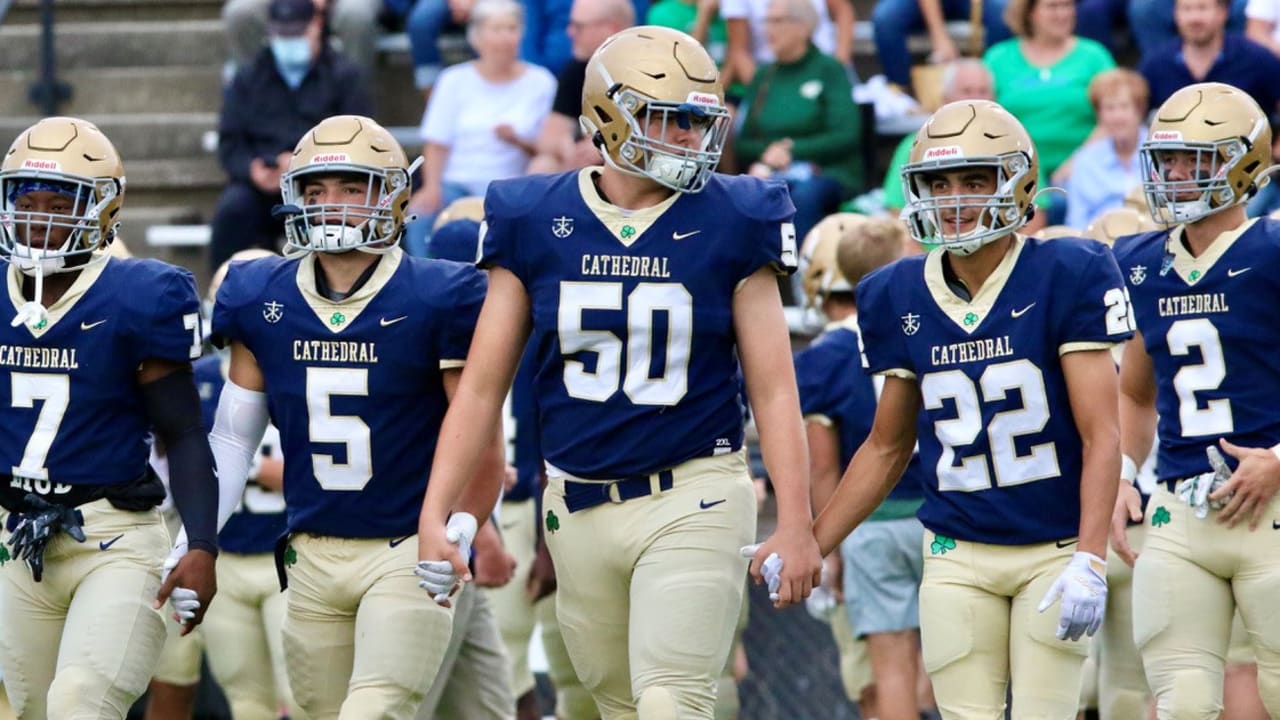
[{"x": 32, "y": 313}]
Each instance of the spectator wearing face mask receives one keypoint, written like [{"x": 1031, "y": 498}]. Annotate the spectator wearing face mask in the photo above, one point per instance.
[{"x": 290, "y": 86}]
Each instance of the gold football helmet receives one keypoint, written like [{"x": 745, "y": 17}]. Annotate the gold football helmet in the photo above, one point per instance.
[
  {"x": 819, "y": 275},
  {"x": 961, "y": 135},
  {"x": 356, "y": 146},
  {"x": 1207, "y": 150},
  {"x": 642, "y": 84},
  {"x": 1118, "y": 222},
  {"x": 73, "y": 159},
  {"x": 467, "y": 208}
]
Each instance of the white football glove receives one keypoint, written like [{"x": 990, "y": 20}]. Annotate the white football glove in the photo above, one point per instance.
[
  {"x": 771, "y": 569},
  {"x": 822, "y": 601},
  {"x": 184, "y": 601},
  {"x": 437, "y": 576},
  {"x": 1082, "y": 586},
  {"x": 1195, "y": 491}
]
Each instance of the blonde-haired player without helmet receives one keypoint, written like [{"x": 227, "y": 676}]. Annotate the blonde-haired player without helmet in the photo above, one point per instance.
[
  {"x": 1203, "y": 381},
  {"x": 359, "y": 349},
  {"x": 646, "y": 282},
  {"x": 996, "y": 347}
]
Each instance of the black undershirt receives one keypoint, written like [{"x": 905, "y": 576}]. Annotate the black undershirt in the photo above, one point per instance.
[{"x": 322, "y": 284}]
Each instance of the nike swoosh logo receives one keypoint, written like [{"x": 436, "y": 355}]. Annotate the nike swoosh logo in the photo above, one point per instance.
[
  {"x": 107, "y": 545},
  {"x": 397, "y": 541},
  {"x": 1241, "y": 271},
  {"x": 90, "y": 326},
  {"x": 1067, "y": 543},
  {"x": 1023, "y": 311},
  {"x": 704, "y": 504},
  {"x": 385, "y": 322},
  {"x": 681, "y": 236}
]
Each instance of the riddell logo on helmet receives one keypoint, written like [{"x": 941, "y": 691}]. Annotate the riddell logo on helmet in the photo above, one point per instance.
[
  {"x": 697, "y": 98},
  {"x": 1166, "y": 135},
  {"x": 330, "y": 157},
  {"x": 41, "y": 165},
  {"x": 941, "y": 153}
]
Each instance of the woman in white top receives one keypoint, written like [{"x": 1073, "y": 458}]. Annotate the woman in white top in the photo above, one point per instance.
[{"x": 483, "y": 118}]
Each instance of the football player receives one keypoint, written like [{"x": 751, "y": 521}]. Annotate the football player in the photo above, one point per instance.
[
  {"x": 1003, "y": 341},
  {"x": 881, "y": 561},
  {"x": 356, "y": 350},
  {"x": 243, "y": 630},
  {"x": 1203, "y": 372},
  {"x": 96, "y": 354},
  {"x": 643, "y": 283}
]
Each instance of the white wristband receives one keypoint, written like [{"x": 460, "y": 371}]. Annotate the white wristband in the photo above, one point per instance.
[{"x": 1129, "y": 469}]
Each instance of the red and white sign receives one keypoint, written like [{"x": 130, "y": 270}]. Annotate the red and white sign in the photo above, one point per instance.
[
  {"x": 41, "y": 165},
  {"x": 944, "y": 152}
]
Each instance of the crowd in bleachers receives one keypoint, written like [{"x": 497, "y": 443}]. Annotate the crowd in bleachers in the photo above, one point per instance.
[{"x": 787, "y": 66}]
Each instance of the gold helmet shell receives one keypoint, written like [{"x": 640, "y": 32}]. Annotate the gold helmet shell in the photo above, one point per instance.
[
  {"x": 356, "y": 146},
  {"x": 1118, "y": 222},
  {"x": 1226, "y": 139},
  {"x": 70, "y": 156},
  {"x": 467, "y": 208},
  {"x": 644, "y": 78},
  {"x": 819, "y": 275},
  {"x": 962, "y": 135}
]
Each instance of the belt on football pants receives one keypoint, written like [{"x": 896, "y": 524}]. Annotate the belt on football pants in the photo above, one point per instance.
[{"x": 586, "y": 495}]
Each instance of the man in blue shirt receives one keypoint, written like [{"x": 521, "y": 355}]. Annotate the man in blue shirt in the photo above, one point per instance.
[{"x": 1206, "y": 52}]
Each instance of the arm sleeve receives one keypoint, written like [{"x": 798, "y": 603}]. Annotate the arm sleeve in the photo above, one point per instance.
[
  {"x": 883, "y": 351},
  {"x": 811, "y": 381},
  {"x": 224, "y": 323},
  {"x": 172, "y": 330},
  {"x": 840, "y": 121},
  {"x": 498, "y": 238},
  {"x": 234, "y": 149},
  {"x": 1098, "y": 313},
  {"x": 238, "y": 428},
  {"x": 173, "y": 407},
  {"x": 771, "y": 218}
]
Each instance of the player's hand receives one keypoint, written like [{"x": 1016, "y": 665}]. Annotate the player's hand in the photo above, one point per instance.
[
  {"x": 509, "y": 478},
  {"x": 1250, "y": 488},
  {"x": 770, "y": 570},
  {"x": 494, "y": 565},
  {"x": 1128, "y": 507},
  {"x": 448, "y": 549},
  {"x": 833, "y": 575},
  {"x": 827, "y": 595},
  {"x": 542, "y": 576},
  {"x": 189, "y": 587},
  {"x": 1082, "y": 588},
  {"x": 801, "y": 563}
]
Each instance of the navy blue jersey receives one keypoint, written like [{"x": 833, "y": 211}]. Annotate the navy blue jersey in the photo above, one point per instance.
[
  {"x": 73, "y": 413},
  {"x": 1209, "y": 325},
  {"x": 997, "y": 432},
  {"x": 260, "y": 520},
  {"x": 833, "y": 386},
  {"x": 632, "y": 313},
  {"x": 355, "y": 387},
  {"x": 524, "y": 451}
]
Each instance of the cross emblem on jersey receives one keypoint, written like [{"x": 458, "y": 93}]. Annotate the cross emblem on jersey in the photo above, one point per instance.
[
  {"x": 910, "y": 323},
  {"x": 1137, "y": 274},
  {"x": 272, "y": 311},
  {"x": 562, "y": 227}
]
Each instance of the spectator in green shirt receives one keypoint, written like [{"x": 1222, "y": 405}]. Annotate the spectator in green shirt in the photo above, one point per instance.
[
  {"x": 964, "y": 79},
  {"x": 1042, "y": 77},
  {"x": 799, "y": 120},
  {"x": 699, "y": 18}
]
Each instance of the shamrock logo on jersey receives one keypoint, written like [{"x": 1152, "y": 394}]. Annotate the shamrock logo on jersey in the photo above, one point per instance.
[
  {"x": 628, "y": 232},
  {"x": 290, "y": 556},
  {"x": 553, "y": 522},
  {"x": 1160, "y": 516},
  {"x": 337, "y": 319},
  {"x": 4, "y": 555},
  {"x": 1194, "y": 276},
  {"x": 941, "y": 544},
  {"x": 970, "y": 319},
  {"x": 44, "y": 323}
]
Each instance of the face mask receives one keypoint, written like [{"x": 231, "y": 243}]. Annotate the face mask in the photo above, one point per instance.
[{"x": 293, "y": 58}]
